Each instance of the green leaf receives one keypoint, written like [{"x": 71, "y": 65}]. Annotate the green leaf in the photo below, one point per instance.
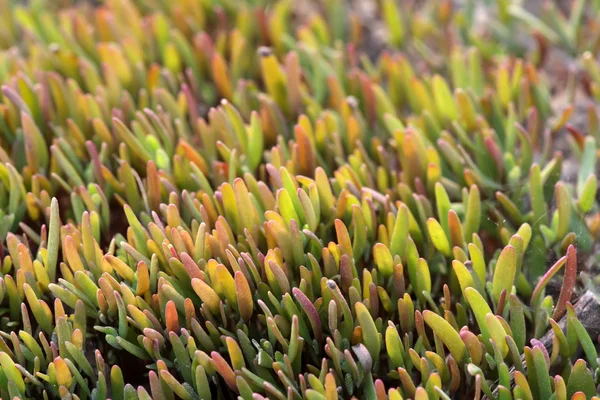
[
  {"x": 438, "y": 237},
  {"x": 480, "y": 309},
  {"x": 53, "y": 240},
  {"x": 533, "y": 22},
  {"x": 473, "y": 214},
  {"x": 543, "y": 374},
  {"x": 538, "y": 204},
  {"x": 255, "y": 141},
  {"x": 36, "y": 149},
  {"x": 443, "y": 206},
  {"x": 370, "y": 335},
  {"x": 584, "y": 338},
  {"x": 12, "y": 372},
  {"x": 394, "y": 346},
  {"x": 581, "y": 379},
  {"x": 587, "y": 197},
  {"x": 465, "y": 279},
  {"x": 504, "y": 274},
  {"x": 400, "y": 232},
  {"x": 497, "y": 333},
  {"x": 443, "y": 98},
  {"x": 563, "y": 203},
  {"x": 588, "y": 164},
  {"x": 517, "y": 321},
  {"x": 383, "y": 259},
  {"x": 393, "y": 21},
  {"x": 447, "y": 334}
]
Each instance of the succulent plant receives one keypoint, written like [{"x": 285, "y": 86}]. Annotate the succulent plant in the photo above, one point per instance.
[{"x": 262, "y": 199}]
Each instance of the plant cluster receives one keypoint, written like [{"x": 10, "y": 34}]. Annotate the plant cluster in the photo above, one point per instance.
[{"x": 223, "y": 199}]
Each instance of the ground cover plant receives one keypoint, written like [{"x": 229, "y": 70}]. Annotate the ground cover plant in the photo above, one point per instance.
[{"x": 255, "y": 199}]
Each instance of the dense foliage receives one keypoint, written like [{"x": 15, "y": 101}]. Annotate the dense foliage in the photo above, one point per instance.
[{"x": 298, "y": 200}]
